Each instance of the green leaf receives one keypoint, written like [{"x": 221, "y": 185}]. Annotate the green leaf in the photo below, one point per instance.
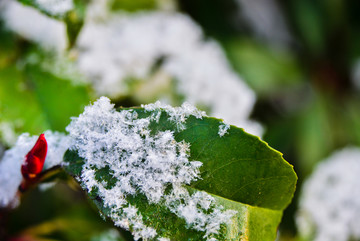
[
  {"x": 133, "y": 5},
  {"x": 58, "y": 98},
  {"x": 19, "y": 108},
  {"x": 239, "y": 171},
  {"x": 35, "y": 100},
  {"x": 267, "y": 71},
  {"x": 310, "y": 24},
  {"x": 74, "y": 20}
]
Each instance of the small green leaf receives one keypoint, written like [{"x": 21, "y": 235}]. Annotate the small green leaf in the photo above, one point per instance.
[
  {"x": 19, "y": 108},
  {"x": 132, "y": 6},
  {"x": 58, "y": 98},
  {"x": 239, "y": 171}
]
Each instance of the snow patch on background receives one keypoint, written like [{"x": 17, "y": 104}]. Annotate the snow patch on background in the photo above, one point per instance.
[
  {"x": 30, "y": 24},
  {"x": 330, "y": 202},
  {"x": 121, "y": 46}
]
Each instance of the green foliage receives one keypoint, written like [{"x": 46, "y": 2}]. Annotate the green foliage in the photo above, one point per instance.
[
  {"x": 59, "y": 213},
  {"x": 279, "y": 70},
  {"x": 35, "y": 100},
  {"x": 308, "y": 110},
  {"x": 239, "y": 170},
  {"x": 132, "y": 6}
]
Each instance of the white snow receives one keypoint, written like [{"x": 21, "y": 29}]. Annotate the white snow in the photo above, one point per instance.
[
  {"x": 142, "y": 164},
  {"x": 207, "y": 218},
  {"x": 123, "y": 46},
  {"x": 10, "y": 165},
  {"x": 223, "y": 129},
  {"x": 177, "y": 114},
  {"x": 30, "y": 24},
  {"x": 55, "y": 7},
  {"x": 330, "y": 202},
  {"x": 113, "y": 47}
]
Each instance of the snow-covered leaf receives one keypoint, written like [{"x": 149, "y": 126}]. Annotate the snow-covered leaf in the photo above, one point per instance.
[{"x": 175, "y": 174}]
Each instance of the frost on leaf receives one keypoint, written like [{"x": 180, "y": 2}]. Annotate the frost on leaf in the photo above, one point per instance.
[
  {"x": 10, "y": 165},
  {"x": 223, "y": 129},
  {"x": 176, "y": 114},
  {"x": 142, "y": 163}
]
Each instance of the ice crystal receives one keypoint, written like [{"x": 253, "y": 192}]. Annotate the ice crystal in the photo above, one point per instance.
[
  {"x": 177, "y": 114},
  {"x": 142, "y": 163},
  {"x": 199, "y": 210},
  {"x": 330, "y": 203},
  {"x": 223, "y": 129},
  {"x": 10, "y": 175}
]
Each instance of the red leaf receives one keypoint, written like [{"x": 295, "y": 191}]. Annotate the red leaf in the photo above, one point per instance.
[{"x": 34, "y": 160}]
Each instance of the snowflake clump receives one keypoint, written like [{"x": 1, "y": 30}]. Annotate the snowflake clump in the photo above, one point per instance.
[
  {"x": 10, "y": 165},
  {"x": 330, "y": 203},
  {"x": 142, "y": 163},
  {"x": 223, "y": 129},
  {"x": 176, "y": 114}
]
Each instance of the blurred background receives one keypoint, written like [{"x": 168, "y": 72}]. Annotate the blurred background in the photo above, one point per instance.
[{"x": 287, "y": 71}]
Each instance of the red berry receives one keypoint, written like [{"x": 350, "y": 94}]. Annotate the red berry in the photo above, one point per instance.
[{"x": 34, "y": 160}]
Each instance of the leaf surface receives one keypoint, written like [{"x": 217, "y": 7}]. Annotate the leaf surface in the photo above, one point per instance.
[{"x": 239, "y": 171}]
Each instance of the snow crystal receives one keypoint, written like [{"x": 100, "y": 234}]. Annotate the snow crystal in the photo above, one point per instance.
[
  {"x": 55, "y": 7},
  {"x": 34, "y": 26},
  {"x": 177, "y": 114},
  {"x": 123, "y": 46},
  {"x": 142, "y": 164},
  {"x": 330, "y": 203},
  {"x": 10, "y": 165},
  {"x": 223, "y": 129},
  {"x": 207, "y": 218}
]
